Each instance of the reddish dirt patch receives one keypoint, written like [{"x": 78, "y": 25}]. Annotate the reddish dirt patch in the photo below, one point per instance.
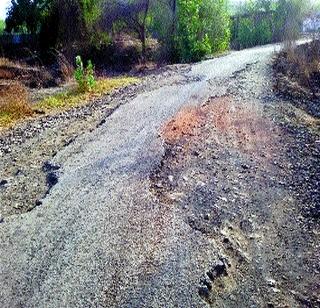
[
  {"x": 238, "y": 125},
  {"x": 185, "y": 124},
  {"x": 242, "y": 126}
]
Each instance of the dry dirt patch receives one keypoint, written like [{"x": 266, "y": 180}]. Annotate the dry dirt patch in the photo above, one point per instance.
[
  {"x": 186, "y": 123},
  {"x": 239, "y": 125}
]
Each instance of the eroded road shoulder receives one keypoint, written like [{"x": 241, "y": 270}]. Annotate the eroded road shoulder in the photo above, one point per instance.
[{"x": 230, "y": 169}]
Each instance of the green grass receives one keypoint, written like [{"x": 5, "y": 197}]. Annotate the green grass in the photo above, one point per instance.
[
  {"x": 6, "y": 118},
  {"x": 74, "y": 97}
]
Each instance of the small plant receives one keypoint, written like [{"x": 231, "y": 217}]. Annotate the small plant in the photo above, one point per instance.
[{"x": 84, "y": 76}]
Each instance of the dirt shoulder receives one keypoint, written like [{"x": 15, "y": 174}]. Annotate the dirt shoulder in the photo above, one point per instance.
[{"x": 244, "y": 170}]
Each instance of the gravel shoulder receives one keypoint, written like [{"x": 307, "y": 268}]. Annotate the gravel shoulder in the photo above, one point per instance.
[{"x": 197, "y": 188}]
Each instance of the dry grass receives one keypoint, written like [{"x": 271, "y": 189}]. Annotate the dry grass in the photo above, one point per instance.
[
  {"x": 14, "y": 104},
  {"x": 6, "y": 62},
  {"x": 301, "y": 64},
  {"x": 30, "y": 76},
  {"x": 65, "y": 67}
]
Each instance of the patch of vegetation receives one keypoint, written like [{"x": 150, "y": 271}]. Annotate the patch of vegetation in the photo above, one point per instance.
[
  {"x": 301, "y": 64},
  {"x": 14, "y": 104},
  {"x": 186, "y": 30},
  {"x": 84, "y": 76},
  {"x": 297, "y": 77},
  {"x": 75, "y": 97},
  {"x": 30, "y": 76},
  {"x": 2, "y": 26},
  {"x": 201, "y": 32}
]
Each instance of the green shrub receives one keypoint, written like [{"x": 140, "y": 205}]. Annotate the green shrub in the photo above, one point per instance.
[
  {"x": 84, "y": 76},
  {"x": 203, "y": 29}
]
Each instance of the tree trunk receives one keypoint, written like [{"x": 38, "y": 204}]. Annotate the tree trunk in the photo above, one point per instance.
[
  {"x": 143, "y": 32},
  {"x": 173, "y": 29},
  {"x": 143, "y": 43}
]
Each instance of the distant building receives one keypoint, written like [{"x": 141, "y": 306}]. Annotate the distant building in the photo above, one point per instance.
[{"x": 312, "y": 23}]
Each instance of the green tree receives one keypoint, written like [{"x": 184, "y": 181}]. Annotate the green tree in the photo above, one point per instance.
[
  {"x": 130, "y": 15},
  {"x": 25, "y": 14},
  {"x": 216, "y": 23},
  {"x": 70, "y": 25},
  {"x": 2, "y": 26},
  {"x": 289, "y": 15},
  {"x": 265, "y": 21},
  {"x": 203, "y": 28},
  {"x": 192, "y": 43}
]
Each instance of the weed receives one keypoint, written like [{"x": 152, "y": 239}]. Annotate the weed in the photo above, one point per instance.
[{"x": 84, "y": 76}]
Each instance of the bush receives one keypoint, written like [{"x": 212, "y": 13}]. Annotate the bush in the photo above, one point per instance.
[{"x": 84, "y": 76}]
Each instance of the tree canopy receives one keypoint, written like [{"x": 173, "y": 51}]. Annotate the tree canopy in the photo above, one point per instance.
[
  {"x": 187, "y": 30},
  {"x": 265, "y": 21}
]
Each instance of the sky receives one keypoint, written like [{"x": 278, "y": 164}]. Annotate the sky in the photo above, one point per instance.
[{"x": 3, "y": 8}]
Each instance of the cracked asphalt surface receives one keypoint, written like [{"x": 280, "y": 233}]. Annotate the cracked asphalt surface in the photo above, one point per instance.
[{"x": 101, "y": 237}]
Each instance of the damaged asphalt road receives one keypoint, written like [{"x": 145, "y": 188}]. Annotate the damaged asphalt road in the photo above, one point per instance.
[{"x": 145, "y": 214}]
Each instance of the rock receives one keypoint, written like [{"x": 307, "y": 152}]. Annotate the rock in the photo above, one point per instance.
[
  {"x": 196, "y": 153},
  {"x": 204, "y": 292},
  {"x": 52, "y": 179},
  {"x": 246, "y": 225},
  {"x": 206, "y": 282},
  {"x": 38, "y": 202},
  {"x": 49, "y": 166},
  {"x": 271, "y": 282},
  {"x": 275, "y": 290},
  {"x": 19, "y": 173},
  {"x": 3, "y": 183},
  {"x": 1, "y": 219},
  {"x": 170, "y": 178},
  {"x": 217, "y": 270}
]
